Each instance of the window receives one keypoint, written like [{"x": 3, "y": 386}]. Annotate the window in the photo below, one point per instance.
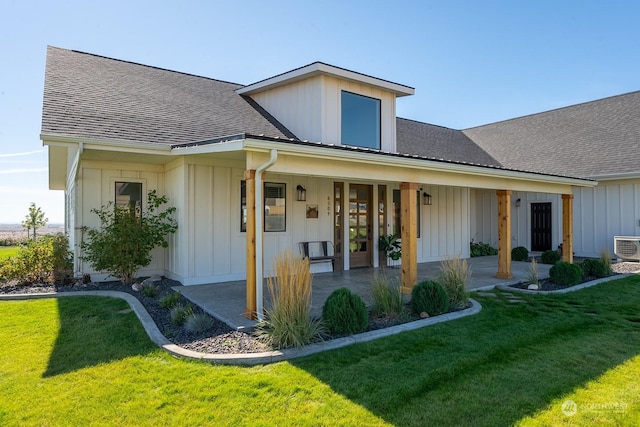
[
  {"x": 129, "y": 194},
  {"x": 397, "y": 212},
  {"x": 360, "y": 120},
  {"x": 275, "y": 206}
]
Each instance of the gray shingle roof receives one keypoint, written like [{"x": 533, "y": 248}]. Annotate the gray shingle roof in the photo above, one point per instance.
[
  {"x": 92, "y": 96},
  {"x": 595, "y": 138},
  {"x": 438, "y": 142}
]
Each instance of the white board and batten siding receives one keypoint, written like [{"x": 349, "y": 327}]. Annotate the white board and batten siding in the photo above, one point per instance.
[
  {"x": 484, "y": 217},
  {"x": 445, "y": 224},
  {"x": 600, "y": 213},
  {"x": 311, "y": 108}
]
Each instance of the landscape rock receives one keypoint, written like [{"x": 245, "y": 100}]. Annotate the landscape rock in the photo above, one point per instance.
[
  {"x": 137, "y": 287},
  {"x": 152, "y": 281},
  {"x": 533, "y": 287},
  {"x": 424, "y": 315}
]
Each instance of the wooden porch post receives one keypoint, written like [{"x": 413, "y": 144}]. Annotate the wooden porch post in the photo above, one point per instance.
[
  {"x": 567, "y": 227},
  {"x": 250, "y": 180},
  {"x": 409, "y": 236},
  {"x": 504, "y": 234}
]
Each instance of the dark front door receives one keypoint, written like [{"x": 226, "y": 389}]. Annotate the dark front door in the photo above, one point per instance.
[
  {"x": 360, "y": 248},
  {"x": 540, "y": 226}
]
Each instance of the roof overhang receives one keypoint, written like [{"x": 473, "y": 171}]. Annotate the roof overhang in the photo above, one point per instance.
[
  {"x": 320, "y": 68},
  {"x": 312, "y": 159}
]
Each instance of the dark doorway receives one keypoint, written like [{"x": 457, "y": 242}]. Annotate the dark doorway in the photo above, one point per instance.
[{"x": 540, "y": 227}]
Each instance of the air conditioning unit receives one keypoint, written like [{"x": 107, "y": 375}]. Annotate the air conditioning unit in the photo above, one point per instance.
[{"x": 627, "y": 248}]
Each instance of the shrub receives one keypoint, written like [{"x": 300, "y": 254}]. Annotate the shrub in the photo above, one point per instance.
[
  {"x": 125, "y": 239},
  {"x": 565, "y": 273},
  {"x": 387, "y": 297},
  {"x": 519, "y": 253},
  {"x": 454, "y": 273},
  {"x": 595, "y": 268},
  {"x": 550, "y": 257},
  {"x": 288, "y": 323},
  {"x": 430, "y": 297},
  {"x": 180, "y": 312},
  {"x": 344, "y": 312},
  {"x": 482, "y": 249},
  {"x": 198, "y": 322},
  {"x": 44, "y": 260},
  {"x": 170, "y": 300}
]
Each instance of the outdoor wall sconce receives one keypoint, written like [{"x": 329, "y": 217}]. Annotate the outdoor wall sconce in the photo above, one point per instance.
[
  {"x": 427, "y": 199},
  {"x": 518, "y": 203},
  {"x": 302, "y": 193}
]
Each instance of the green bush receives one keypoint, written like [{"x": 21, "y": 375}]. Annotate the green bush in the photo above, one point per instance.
[
  {"x": 126, "y": 237},
  {"x": 44, "y": 260},
  {"x": 565, "y": 273},
  {"x": 170, "y": 300},
  {"x": 482, "y": 249},
  {"x": 519, "y": 253},
  {"x": 430, "y": 297},
  {"x": 595, "y": 268},
  {"x": 345, "y": 313},
  {"x": 550, "y": 257}
]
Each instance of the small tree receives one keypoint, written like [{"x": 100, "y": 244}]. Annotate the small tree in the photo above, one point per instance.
[
  {"x": 124, "y": 242},
  {"x": 34, "y": 220}
]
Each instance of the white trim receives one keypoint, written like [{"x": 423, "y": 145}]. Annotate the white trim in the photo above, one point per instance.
[{"x": 319, "y": 68}]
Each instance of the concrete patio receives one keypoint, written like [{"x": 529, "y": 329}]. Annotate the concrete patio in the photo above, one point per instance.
[{"x": 226, "y": 301}]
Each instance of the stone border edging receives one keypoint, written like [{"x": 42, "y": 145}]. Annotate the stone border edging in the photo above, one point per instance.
[
  {"x": 565, "y": 290},
  {"x": 250, "y": 359}
]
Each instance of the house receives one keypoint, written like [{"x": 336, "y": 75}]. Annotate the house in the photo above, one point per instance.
[{"x": 231, "y": 158}]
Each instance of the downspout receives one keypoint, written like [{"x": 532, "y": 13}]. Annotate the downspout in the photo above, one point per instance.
[
  {"x": 259, "y": 233},
  {"x": 77, "y": 160}
]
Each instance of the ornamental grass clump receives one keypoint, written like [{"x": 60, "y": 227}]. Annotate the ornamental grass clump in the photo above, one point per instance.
[
  {"x": 288, "y": 323},
  {"x": 532, "y": 274},
  {"x": 198, "y": 322},
  {"x": 454, "y": 274},
  {"x": 605, "y": 257},
  {"x": 387, "y": 297}
]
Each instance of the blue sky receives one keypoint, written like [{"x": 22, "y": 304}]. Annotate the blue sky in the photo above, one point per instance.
[{"x": 471, "y": 62}]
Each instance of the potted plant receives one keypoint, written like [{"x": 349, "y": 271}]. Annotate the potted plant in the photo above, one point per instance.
[{"x": 390, "y": 245}]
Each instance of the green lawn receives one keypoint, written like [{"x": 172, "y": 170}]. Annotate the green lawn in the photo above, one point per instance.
[
  {"x": 511, "y": 364},
  {"x": 7, "y": 251}
]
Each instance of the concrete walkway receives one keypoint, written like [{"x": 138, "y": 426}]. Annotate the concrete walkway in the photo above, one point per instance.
[{"x": 226, "y": 301}]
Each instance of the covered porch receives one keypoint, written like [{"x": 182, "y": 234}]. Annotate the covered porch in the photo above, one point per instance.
[{"x": 226, "y": 301}]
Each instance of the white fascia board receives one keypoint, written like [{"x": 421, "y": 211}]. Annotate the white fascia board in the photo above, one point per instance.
[
  {"x": 417, "y": 163},
  {"x": 617, "y": 176},
  {"x": 217, "y": 147},
  {"x": 318, "y": 68},
  {"x": 107, "y": 144}
]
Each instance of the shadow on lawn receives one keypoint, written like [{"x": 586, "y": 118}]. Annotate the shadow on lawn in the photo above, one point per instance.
[
  {"x": 95, "y": 330},
  {"x": 508, "y": 362}
]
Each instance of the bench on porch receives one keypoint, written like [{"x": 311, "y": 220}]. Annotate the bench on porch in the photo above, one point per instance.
[{"x": 318, "y": 251}]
